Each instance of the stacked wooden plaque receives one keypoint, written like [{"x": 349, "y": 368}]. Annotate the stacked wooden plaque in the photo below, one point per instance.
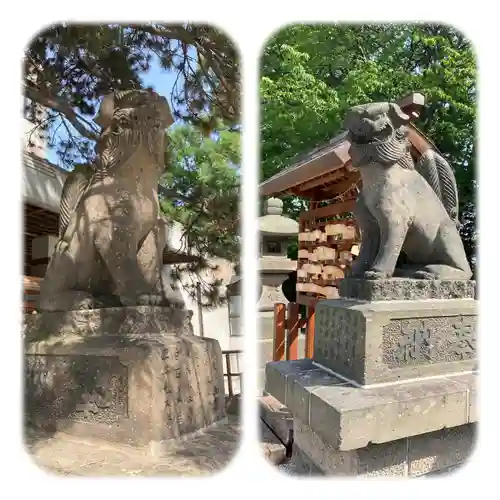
[{"x": 324, "y": 254}]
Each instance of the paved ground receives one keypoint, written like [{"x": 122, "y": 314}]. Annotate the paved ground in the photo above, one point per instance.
[
  {"x": 292, "y": 468},
  {"x": 69, "y": 455}
]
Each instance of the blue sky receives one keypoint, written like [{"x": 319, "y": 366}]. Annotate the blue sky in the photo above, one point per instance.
[{"x": 162, "y": 82}]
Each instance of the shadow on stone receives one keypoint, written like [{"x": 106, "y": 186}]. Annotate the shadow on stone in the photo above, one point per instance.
[{"x": 139, "y": 389}]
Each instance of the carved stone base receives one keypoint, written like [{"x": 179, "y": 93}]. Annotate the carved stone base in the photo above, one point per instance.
[
  {"x": 141, "y": 389},
  {"x": 108, "y": 321},
  {"x": 406, "y": 289},
  {"x": 387, "y": 341}
]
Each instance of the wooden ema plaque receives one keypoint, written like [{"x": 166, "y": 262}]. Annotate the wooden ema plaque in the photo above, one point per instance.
[{"x": 326, "y": 250}]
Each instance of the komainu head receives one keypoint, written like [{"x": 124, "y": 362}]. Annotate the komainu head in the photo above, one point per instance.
[
  {"x": 377, "y": 133},
  {"x": 130, "y": 120}
]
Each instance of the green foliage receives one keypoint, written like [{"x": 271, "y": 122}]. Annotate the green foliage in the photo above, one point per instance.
[
  {"x": 311, "y": 74},
  {"x": 202, "y": 172}
]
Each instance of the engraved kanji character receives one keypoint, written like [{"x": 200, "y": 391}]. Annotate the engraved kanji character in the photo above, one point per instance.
[
  {"x": 465, "y": 345},
  {"x": 415, "y": 343}
]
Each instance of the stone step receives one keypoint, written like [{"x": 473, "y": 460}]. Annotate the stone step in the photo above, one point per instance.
[
  {"x": 274, "y": 450},
  {"x": 278, "y": 418}
]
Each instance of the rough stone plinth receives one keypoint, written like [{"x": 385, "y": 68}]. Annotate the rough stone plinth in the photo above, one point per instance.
[
  {"x": 437, "y": 452},
  {"x": 406, "y": 289},
  {"x": 140, "y": 388},
  {"x": 278, "y": 418},
  {"x": 388, "y": 341},
  {"x": 350, "y": 418}
]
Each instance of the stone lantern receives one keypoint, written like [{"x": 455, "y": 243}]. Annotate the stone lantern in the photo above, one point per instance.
[{"x": 276, "y": 233}]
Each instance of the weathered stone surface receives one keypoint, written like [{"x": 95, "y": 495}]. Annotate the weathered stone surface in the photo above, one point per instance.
[
  {"x": 277, "y": 417},
  {"x": 131, "y": 389},
  {"x": 277, "y": 373},
  {"x": 386, "y": 341},
  {"x": 266, "y": 326},
  {"x": 274, "y": 450},
  {"x": 349, "y": 417},
  {"x": 473, "y": 405},
  {"x": 387, "y": 459},
  {"x": 415, "y": 456},
  {"x": 323, "y": 455},
  {"x": 108, "y": 321},
  {"x": 440, "y": 450},
  {"x": 299, "y": 399},
  {"x": 406, "y": 289},
  {"x": 469, "y": 382},
  {"x": 403, "y": 209},
  {"x": 301, "y": 465},
  {"x": 112, "y": 237}
]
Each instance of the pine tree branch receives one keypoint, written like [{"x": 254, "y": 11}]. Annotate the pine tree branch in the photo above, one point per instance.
[{"x": 61, "y": 106}]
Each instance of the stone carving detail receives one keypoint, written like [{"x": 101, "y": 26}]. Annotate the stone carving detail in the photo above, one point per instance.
[
  {"x": 193, "y": 398},
  {"x": 111, "y": 237},
  {"x": 407, "y": 213},
  {"x": 465, "y": 338},
  {"x": 406, "y": 289},
  {"x": 335, "y": 340},
  {"x": 429, "y": 340},
  {"x": 75, "y": 387}
]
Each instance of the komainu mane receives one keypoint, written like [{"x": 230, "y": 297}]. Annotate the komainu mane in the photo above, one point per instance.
[
  {"x": 111, "y": 238},
  {"x": 403, "y": 209}
]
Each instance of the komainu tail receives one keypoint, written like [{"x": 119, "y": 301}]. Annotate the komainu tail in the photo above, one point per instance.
[
  {"x": 439, "y": 174},
  {"x": 75, "y": 185}
]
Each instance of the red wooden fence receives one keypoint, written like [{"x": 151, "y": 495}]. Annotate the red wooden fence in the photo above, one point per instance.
[
  {"x": 287, "y": 323},
  {"x": 31, "y": 289}
]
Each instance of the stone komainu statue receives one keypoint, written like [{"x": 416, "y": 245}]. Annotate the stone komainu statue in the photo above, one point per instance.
[
  {"x": 403, "y": 209},
  {"x": 111, "y": 239}
]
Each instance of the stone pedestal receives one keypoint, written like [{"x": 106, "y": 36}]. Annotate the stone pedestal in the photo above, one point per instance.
[
  {"x": 387, "y": 377},
  {"x": 133, "y": 375}
]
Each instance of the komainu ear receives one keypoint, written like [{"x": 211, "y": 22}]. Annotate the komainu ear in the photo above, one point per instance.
[
  {"x": 397, "y": 116},
  {"x": 106, "y": 111}
]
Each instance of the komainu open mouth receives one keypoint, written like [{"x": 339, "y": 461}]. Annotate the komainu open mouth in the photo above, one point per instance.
[{"x": 385, "y": 134}]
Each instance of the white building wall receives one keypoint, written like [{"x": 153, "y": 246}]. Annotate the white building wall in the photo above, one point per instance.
[
  {"x": 216, "y": 322},
  {"x": 42, "y": 184}
]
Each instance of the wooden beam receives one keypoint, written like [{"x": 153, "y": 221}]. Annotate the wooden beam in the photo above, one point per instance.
[
  {"x": 292, "y": 325},
  {"x": 333, "y": 209},
  {"x": 310, "y": 332},
  {"x": 343, "y": 186},
  {"x": 324, "y": 179}
]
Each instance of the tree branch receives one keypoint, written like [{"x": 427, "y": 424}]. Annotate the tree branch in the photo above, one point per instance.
[{"x": 62, "y": 107}]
